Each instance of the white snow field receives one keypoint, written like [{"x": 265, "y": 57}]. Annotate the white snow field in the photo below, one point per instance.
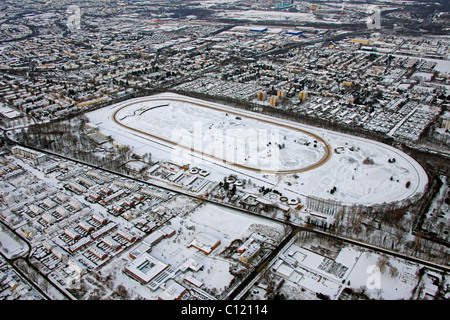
[{"x": 297, "y": 159}]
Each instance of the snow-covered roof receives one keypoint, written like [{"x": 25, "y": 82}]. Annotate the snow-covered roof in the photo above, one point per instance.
[
  {"x": 205, "y": 242},
  {"x": 173, "y": 292},
  {"x": 284, "y": 270},
  {"x": 145, "y": 267}
]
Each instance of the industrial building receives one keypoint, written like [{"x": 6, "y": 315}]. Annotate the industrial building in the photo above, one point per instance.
[
  {"x": 258, "y": 29},
  {"x": 294, "y": 32}
]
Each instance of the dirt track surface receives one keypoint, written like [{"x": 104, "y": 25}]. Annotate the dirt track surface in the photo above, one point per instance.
[{"x": 319, "y": 163}]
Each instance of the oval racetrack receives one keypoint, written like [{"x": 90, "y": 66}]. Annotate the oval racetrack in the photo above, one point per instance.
[{"x": 327, "y": 149}]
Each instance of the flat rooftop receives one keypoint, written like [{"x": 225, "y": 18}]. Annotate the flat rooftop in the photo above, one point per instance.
[{"x": 145, "y": 267}]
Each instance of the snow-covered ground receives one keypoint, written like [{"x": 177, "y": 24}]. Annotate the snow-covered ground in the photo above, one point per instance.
[
  {"x": 307, "y": 272},
  {"x": 243, "y": 141},
  {"x": 383, "y": 284},
  {"x": 222, "y": 223},
  {"x": 208, "y": 3},
  {"x": 360, "y": 181},
  {"x": 362, "y": 170}
]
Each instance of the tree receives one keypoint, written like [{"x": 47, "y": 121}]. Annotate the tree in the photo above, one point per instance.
[
  {"x": 382, "y": 262},
  {"x": 233, "y": 190},
  {"x": 121, "y": 291},
  {"x": 322, "y": 296},
  {"x": 417, "y": 242},
  {"x": 393, "y": 272}
]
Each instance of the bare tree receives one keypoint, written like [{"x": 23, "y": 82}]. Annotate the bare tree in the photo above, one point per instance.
[
  {"x": 393, "y": 271},
  {"x": 383, "y": 262}
]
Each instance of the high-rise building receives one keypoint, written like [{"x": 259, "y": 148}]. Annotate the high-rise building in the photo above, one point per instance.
[
  {"x": 280, "y": 94},
  {"x": 302, "y": 96},
  {"x": 273, "y": 101},
  {"x": 261, "y": 96}
]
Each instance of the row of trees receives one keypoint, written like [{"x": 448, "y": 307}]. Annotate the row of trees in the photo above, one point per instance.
[{"x": 70, "y": 138}]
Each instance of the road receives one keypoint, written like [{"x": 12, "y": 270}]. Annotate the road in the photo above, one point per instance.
[
  {"x": 25, "y": 277},
  {"x": 11, "y": 262},
  {"x": 238, "y": 291},
  {"x": 25, "y": 257}
]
